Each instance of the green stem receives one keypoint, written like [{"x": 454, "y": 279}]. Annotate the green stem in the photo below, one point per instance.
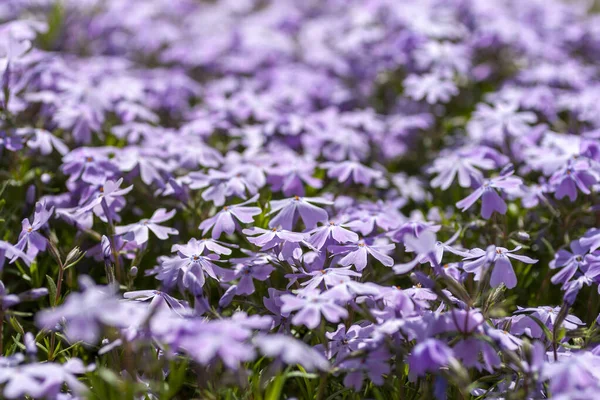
[{"x": 322, "y": 386}]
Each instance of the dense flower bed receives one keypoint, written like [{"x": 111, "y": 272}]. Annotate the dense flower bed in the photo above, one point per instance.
[{"x": 317, "y": 199}]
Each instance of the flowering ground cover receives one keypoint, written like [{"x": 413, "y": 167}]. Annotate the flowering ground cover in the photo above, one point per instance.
[{"x": 319, "y": 199}]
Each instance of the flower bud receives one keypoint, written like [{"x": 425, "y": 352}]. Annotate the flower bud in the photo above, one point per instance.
[
  {"x": 74, "y": 255},
  {"x": 33, "y": 294},
  {"x": 523, "y": 235},
  {"x": 106, "y": 250},
  {"x": 30, "y": 346}
]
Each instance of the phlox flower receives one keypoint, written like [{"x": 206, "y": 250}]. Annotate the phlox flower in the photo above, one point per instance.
[
  {"x": 291, "y": 351},
  {"x": 30, "y": 240},
  {"x": 351, "y": 171},
  {"x": 246, "y": 273},
  {"x": 224, "y": 220},
  {"x": 40, "y": 380},
  {"x": 490, "y": 199},
  {"x": 285, "y": 242},
  {"x": 310, "y": 305},
  {"x": 138, "y": 232},
  {"x": 374, "y": 365},
  {"x": 289, "y": 210},
  {"x": 499, "y": 258},
  {"x": 356, "y": 253},
  {"x": 431, "y": 87},
  {"x": 84, "y": 313},
  {"x": 429, "y": 356},
  {"x": 331, "y": 230},
  {"x": 189, "y": 266},
  {"x": 108, "y": 193}
]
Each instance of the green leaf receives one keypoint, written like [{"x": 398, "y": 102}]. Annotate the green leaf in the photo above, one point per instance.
[
  {"x": 377, "y": 393},
  {"x": 300, "y": 374},
  {"x": 109, "y": 376},
  {"x": 33, "y": 269},
  {"x": 16, "y": 325},
  {"x": 51, "y": 290},
  {"x": 275, "y": 388},
  {"x": 67, "y": 349},
  {"x": 3, "y": 187},
  {"x": 177, "y": 377},
  {"x": 18, "y": 343}
]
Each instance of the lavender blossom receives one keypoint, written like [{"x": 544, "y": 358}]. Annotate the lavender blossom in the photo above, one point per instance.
[
  {"x": 311, "y": 304},
  {"x": 491, "y": 202},
  {"x": 224, "y": 221},
  {"x": 502, "y": 269},
  {"x": 356, "y": 253},
  {"x": 288, "y": 211},
  {"x": 138, "y": 232}
]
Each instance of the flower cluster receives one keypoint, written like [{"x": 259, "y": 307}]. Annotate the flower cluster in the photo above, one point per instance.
[{"x": 313, "y": 199}]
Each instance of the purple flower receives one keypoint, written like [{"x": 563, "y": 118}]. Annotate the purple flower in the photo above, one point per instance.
[
  {"x": 547, "y": 315},
  {"x": 11, "y": 252},
  {"x": 345, "y": 170},
  {"x": 30, "y": 240},
  {"x": 107, "y": 193},
  {"x": 224, "y": 339},
  {"x": 468, "y": 352},
  {"x": 246, "y": 273},
  {"x": 490, "y": 200},
  {"x": 287, "y": 242},
  {"x": 344, "y": 341},
  {"x": 9, "y": 300},
  {"x": 40, "y": 380},
  {"x": 138, "y": 232},
  {"x": 189, "y": 266},
  {"x": 221, "y": 185},
  {"x": 462, "y": 163},
  {"x": 410, "y": 187},
  {"x": 159, "y": 299},
  {"x": 504, "y": 339},
  {"x": 356, "y": 253},
  {"x": 384, "y": 215},
  {"x": 323, "y": 235},
  {"x": 576, "y": 372},
  {"x": 310, "y": 304},
  {"x": 569, "y": 262},
  {"x": 500, "y": 120},
  {"x": 576, "y": 174},
  {"x": 374, "y": 364},
  {"x": 427, "y": 248},
  {"x": 85, "y": 313},
  {"x": 273, "y": 304},
  {"x": 429, "y": 356},
  {"x": 91, "y": 165},
  {"x": 149, "y": 166},
  {"x": 223, "y": 221},
  {"x": 43, "y": 140},
  {"x": 289, "y": 177},
  {"x": 431, "y": 87},
  {"x": 329, "y": 276},
  {"x": 207, "y": 244},
  {"x": 502, "y": 271},
  {"x": 291, "y": 351},
  {"x": 288, "y": 211},
  {"x": 591, "y": 240}
]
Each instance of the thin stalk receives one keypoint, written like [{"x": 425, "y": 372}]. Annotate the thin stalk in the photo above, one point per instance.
[
  {"x": 111, "y": 237},
  {"x": 1, "y": 332}
]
